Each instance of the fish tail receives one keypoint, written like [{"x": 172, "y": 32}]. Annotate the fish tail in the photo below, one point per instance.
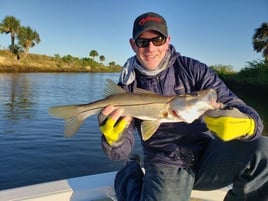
[
  {"x": 73, "y": 117},
  {"x": 73, "y": 124},
  {"x": 63, "y": 112}
]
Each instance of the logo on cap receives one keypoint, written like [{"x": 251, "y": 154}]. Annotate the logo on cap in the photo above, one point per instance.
[{"x": 149, "y": 18}]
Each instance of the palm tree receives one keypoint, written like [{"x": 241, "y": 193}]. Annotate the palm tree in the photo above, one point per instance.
[
  {"x": 260, "y": 40},
  {"x": 93, "y": 53},
  {"x": 112, "y": 64},
  {"x": 102, "y": 58},
  {"x": 10, "y": 25},
  {"x": 28, "y": 38}
]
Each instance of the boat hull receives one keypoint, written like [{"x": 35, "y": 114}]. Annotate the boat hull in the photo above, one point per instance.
[{"x": 97, "y": 187}]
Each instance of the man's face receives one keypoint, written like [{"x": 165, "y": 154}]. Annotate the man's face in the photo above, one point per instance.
[{"x": 152, "y": 55}]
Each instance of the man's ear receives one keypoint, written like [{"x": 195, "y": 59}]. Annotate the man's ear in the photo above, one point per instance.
[{"x": 132, "y": 44}]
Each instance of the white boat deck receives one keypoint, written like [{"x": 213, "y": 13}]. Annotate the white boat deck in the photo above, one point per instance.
[{"x": 88, "y": 188}]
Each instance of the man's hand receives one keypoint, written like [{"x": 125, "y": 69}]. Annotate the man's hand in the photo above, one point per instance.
[
  {"x": 229, "y": 124},
  {"x": 112, "y": 124}
]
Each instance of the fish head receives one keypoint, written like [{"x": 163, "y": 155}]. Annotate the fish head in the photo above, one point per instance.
[{"x": 189, "y": 107}]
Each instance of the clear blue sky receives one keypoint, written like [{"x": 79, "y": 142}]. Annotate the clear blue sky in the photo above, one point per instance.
[{"x": 212, "y": 31}]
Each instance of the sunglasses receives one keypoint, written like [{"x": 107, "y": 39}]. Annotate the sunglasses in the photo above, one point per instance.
[{"x": 144, "y": 42}]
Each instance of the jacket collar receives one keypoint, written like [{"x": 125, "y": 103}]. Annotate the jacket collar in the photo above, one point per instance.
[{"x": 128, "y": 75}]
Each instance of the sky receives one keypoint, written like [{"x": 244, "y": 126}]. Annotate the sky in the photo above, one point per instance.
[{"x": 215, "y": 32}]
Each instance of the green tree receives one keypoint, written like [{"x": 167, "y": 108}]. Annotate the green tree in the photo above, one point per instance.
[
  {"x": 260, "y": 40},
  {"x": 28, "y": 38},
  {"x": 112, "y": 64},
  {"x": 57, "y": 56},
  {"x": 10, "y": 25},
  {"x": 102, "y": 58},
  {"x": 93, "y": 54},
  {"x": 222, "y": 69}
]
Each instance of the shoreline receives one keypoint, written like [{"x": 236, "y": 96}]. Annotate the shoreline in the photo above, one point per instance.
[
  {"x": 41, "y": 69},
  {"x": 35, "y": 63}
]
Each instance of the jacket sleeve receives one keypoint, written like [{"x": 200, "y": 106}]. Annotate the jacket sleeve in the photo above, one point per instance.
[{"x": 209, "y": 79}]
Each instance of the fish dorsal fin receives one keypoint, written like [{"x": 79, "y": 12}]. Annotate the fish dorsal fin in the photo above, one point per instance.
[
  {"x": 112, "y": 88},
  {"x": 148, "y": 128},
  {"x": 143, "y": 91}
]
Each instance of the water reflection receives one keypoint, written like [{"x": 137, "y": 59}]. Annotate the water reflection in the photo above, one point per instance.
[
  {"x": 33, "y": 148},
  {"x": 17, "y": 97}
]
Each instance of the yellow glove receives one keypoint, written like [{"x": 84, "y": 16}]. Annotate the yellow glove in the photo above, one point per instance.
[
  {"x": 111, "y": 123},
  {"x": 112, "y": 130},
  {"x": 229, "y": 124}
]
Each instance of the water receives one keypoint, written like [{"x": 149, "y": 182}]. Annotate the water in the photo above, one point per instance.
[{"x": 32, "y": 146}]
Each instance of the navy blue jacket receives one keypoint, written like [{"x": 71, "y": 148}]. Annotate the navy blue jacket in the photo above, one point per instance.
[{"x": 178, "y": 144}]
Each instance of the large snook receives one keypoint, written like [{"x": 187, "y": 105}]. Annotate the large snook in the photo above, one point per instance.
[{"x": 150, "y": 107}]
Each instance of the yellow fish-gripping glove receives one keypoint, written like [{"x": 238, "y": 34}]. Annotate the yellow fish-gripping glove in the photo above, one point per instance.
[
  {"x": 229, "y": 124},
  {"x": 112, "y": 129}
]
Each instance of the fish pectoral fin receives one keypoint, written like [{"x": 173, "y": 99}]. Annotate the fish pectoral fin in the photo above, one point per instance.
[{"x": 148, "y": 128}]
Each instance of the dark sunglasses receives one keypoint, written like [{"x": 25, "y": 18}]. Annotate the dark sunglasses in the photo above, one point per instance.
[{"x": 144, "y": 42}]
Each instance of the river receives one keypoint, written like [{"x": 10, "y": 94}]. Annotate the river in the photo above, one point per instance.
[{"x": 33, "y": 148}]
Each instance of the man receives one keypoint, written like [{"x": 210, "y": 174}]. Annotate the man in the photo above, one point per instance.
[{"x": 225, "y": 147}]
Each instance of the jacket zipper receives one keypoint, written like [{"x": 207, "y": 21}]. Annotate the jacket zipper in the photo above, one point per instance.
[{"x": 159, "y": 84}]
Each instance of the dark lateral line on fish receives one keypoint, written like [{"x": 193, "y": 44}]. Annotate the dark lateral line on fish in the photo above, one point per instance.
[{"x": 124, "y": 105}]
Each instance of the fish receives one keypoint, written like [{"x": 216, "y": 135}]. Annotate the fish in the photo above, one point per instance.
[{"x": 145, "y": 105}]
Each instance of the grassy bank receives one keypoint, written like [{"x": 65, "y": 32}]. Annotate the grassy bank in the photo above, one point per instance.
[{"x": 9, "y": 63}]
